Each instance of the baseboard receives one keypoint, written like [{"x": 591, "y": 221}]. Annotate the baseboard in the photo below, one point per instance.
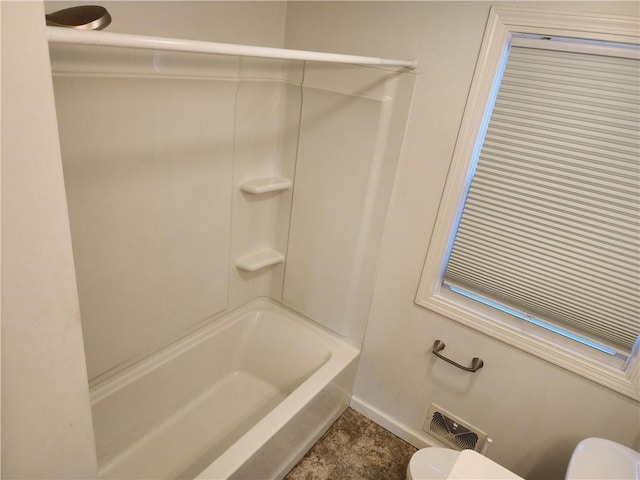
[{"x": 414, "y": 437}]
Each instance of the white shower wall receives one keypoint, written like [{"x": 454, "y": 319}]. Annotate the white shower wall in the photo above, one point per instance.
[
  {"x": 146, "y": 160},
  {"x": 155, "y": 147},
  {"x": 152, "y": 162},
  {"x": 266, "y": 132},
  {"x": 352, "y": 128}
]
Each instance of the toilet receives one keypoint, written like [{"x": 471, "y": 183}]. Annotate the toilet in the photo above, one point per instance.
[
  {"x": 592, "y": 458},
  {"x": 431, "y": 464},
  {"x": 434, "y": 463}
]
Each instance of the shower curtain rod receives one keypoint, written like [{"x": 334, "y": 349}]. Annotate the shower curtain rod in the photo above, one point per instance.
[{"x": 110, "y": 39}]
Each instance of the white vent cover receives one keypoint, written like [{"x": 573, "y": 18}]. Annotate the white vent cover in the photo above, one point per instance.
[{"x": 452, "y": 431}]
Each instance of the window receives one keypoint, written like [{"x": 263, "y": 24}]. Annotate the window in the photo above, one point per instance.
[{"x": 538, "y": 239}]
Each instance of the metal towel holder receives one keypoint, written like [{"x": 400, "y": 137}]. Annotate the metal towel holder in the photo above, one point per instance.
[{"x": 476, "y": 363}]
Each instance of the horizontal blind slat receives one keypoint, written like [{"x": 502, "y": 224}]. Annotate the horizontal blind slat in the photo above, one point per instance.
[
  {"x": 539, "y": 123},
  {"x": 573, "y": 156},
  {"x": 616, "y": 237},
  {"x": 534, "y": 248},
  {"x": 541, "y": 267},
  {"x": 615, "y": 195},
  {"x": 586, "y": 114},
  {"x": 575, "y": 140}
]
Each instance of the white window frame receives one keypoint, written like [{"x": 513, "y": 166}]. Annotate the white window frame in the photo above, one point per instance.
[{"x": 502, "y": 25}]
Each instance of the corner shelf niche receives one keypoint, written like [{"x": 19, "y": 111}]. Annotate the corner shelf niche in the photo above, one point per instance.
[
  {"x": 259, "y": 260},
  {"x": 264, "y": 258},
  {"x": 256, "y": 186}
]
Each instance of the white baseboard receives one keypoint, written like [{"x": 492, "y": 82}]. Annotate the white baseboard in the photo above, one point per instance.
[{"x": 414, "y": 437}]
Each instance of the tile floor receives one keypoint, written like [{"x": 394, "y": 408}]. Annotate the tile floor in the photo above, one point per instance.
[{"x": 355, "y": 448}]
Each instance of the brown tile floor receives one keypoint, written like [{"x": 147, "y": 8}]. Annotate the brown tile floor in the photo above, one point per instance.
[{"x": 355, "y": 448}]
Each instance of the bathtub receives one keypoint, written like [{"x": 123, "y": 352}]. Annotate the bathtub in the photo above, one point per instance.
[{"x": 243, "y": 397}]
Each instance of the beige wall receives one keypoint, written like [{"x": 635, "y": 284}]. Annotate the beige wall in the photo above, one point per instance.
[
  {"x": 46, "y": 422},
  {"x": 534, "y": 411}
]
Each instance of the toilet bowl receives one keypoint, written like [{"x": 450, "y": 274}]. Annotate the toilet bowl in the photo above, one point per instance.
[
  {"x": 431, "y": 464},
  {"x": 435, "y": 463}
]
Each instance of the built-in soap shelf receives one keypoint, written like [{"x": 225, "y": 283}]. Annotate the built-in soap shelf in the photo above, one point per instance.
[
  {"x": 266, "y": 257},
  {"x": 260, "y": 185},
  {"x": 259, "y": 260}
]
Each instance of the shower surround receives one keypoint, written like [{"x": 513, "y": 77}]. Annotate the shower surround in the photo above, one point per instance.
[{"x": 196, "y": 184}]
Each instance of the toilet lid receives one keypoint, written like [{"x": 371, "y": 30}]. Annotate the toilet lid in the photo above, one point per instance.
[
  {"x": 470, "y": 465},
  {"x": 432, "y": 463}
]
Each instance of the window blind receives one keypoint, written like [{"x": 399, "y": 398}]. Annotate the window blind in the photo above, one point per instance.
[{"x": 550, "y": 226}]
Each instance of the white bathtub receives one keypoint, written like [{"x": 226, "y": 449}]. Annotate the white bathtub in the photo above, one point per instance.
[{"x": 244, "y": 397}]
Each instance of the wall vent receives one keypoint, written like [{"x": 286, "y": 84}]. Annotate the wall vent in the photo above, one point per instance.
[{"x": 452, "y": 431}]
